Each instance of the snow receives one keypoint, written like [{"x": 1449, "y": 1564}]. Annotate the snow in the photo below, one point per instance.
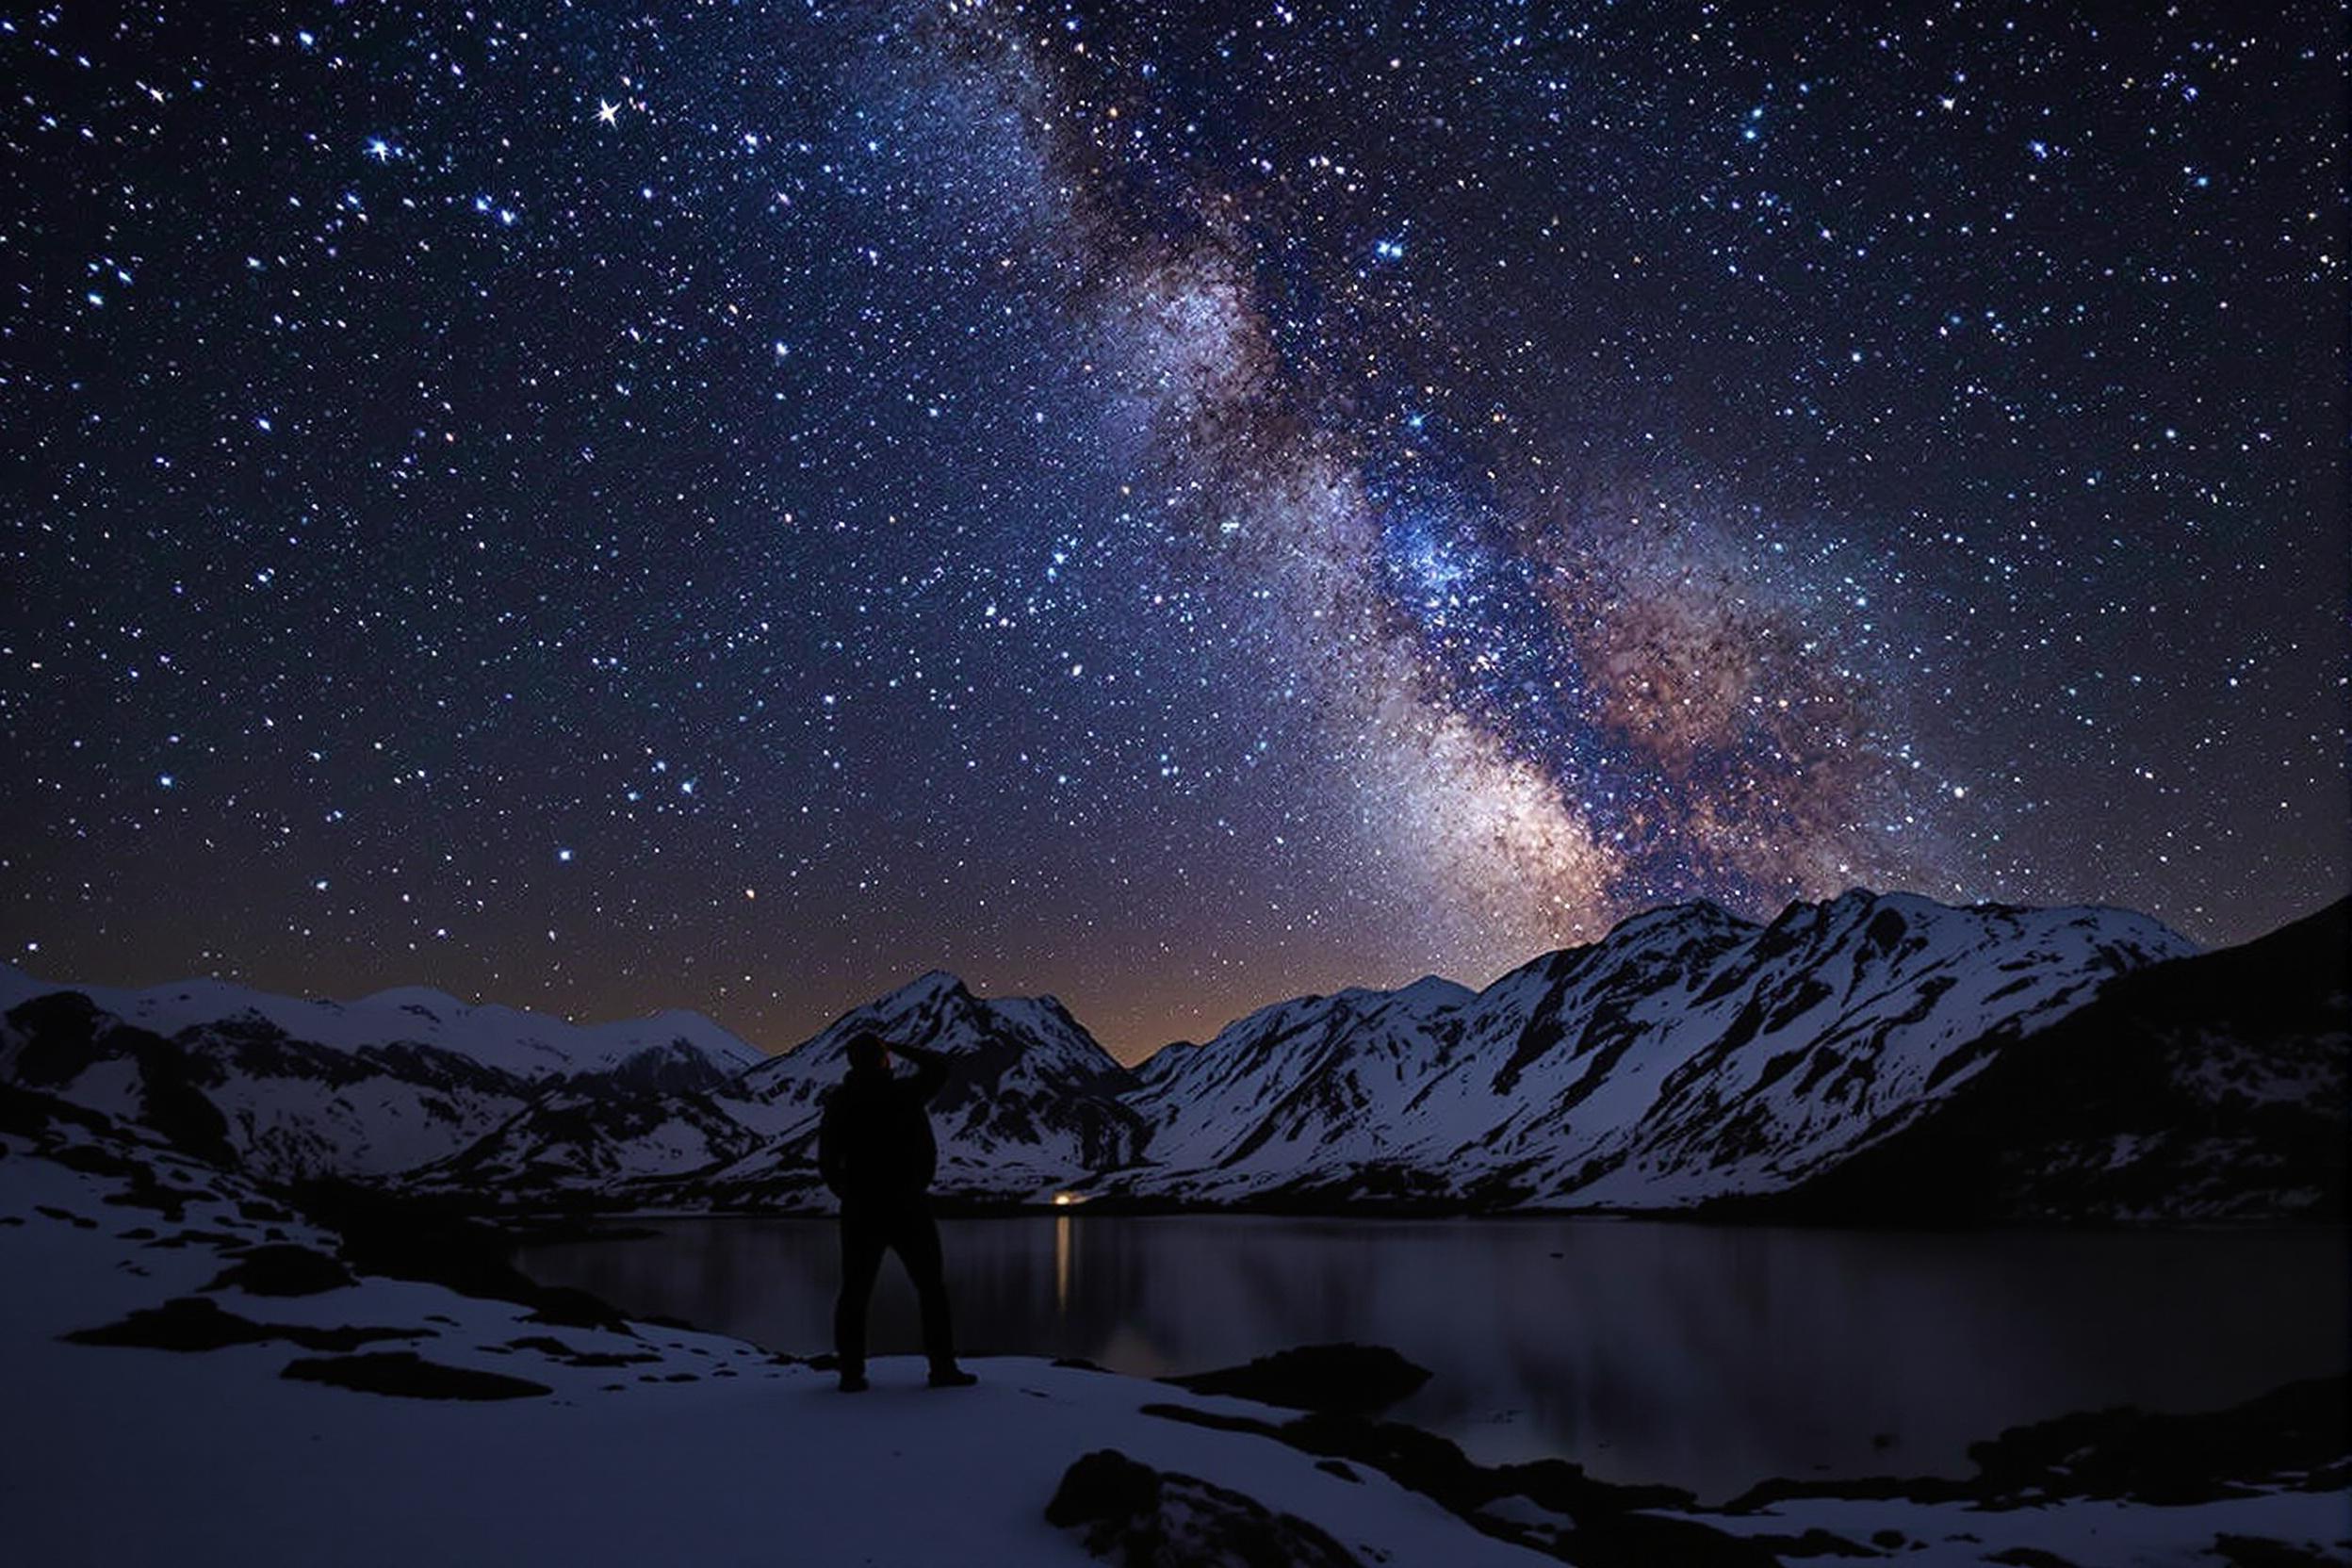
[
  {"x": 114, "y": 1454},
  {"x": 121, "y": 1455},
  {"x": 1688, "y": 1056},
  {"x": 529, "y": 1045},
  {"x": 2081, "y": 1530}
]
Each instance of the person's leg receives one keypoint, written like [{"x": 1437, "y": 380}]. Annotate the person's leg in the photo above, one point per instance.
[
  {"x": 862, "y": 1241},
  {"x": 916, "y": 1239}
]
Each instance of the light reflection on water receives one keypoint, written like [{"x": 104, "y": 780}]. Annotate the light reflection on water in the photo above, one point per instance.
[{"x": 1706, "y": 1356}]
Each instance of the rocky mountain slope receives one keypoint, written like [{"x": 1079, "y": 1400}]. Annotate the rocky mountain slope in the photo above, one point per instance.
[
  {"x": 372, "y": 1089},
  {"x": 1032, "y": 1104},
  {"x": 1688, "y": 1054},
  {"x": 1688, "y": 1058},
  {"x": 2213, "y": 1087}
]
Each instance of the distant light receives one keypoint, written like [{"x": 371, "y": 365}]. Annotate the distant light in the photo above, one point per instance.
[{"x": 564, "y": 856}]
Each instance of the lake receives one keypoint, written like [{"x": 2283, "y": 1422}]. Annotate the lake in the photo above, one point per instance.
[{"x": 1705, "y": 1356}]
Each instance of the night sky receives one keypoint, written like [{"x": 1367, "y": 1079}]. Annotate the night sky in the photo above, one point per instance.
[{"x": 732, "y": 506}]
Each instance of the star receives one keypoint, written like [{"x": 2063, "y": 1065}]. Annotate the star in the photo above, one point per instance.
[{"x": 1317, "y": 524}]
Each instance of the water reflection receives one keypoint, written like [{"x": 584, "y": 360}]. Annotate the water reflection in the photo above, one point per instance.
[
  {"x": 1061, "y": 1265},
  {"x": 1705, "y": 1356}
]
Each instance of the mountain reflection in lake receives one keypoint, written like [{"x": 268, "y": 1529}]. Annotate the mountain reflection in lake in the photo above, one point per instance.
[{"x": 1705, "y": 1356}]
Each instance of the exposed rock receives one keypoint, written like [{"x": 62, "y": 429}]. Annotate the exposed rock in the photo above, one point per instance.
[
  {"x": 2212, "y": 1087},
  {"x": 415, "y": 1239},
  {"x": 2294, "y": 1437},
  {"x": 1603, "y": 1525},
  {"x": 1816, "y": 1543},
  {"x": 1139, "y": 1517},
  {"x": 282, "y": 1269},
  {"x": 1347, "y": 1379},
  {"x": 197, "y": 1323},
  {"x": 410, "y": 1376},
  {"x": 2250, "y": 1551},
  {"x": 547, "y": 1345}
]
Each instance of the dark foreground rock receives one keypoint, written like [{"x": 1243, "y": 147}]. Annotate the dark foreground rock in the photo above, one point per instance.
[
  {"x": 440, "y": 1243},
  {"x": 1139, "y": 1517},
  {"x": 2294, "y": 1438},
  {"x": 194, "y": 1323},
  {"x": 2250, "y": 1551},
  {"x": 1347, "y": 1379},
  {"x": 410, "y": 1376},
  {"x": 282, "y": 1268},
  {"x": 1576, "y": 1519}
]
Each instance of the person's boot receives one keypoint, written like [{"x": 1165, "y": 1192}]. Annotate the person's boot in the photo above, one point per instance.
[
  {"x": 853, "y": 1382},
  {"x": 952, "y": 1376}
]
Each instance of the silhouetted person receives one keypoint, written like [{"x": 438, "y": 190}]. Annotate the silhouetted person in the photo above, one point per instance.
[{"x": 876, "y": 1150}]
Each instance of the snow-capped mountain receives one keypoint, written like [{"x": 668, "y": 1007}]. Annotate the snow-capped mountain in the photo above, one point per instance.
[
  {"x": 520, "y": 1044},
  {"x": 1032, "y": 1103},
  {"x": 1306, "y": 1084},
  {"x": 372, "y": 1088},
  {"x": 2210, "y": 1087},
  {"x": 1688, "y": 1058},
  {"x": 1688, "y": 1054}
]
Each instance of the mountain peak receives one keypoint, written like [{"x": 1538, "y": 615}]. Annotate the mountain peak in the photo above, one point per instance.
[
  {"x": 1431, "y": 992},
  {"x": 1696, "y": 911},
  {"x": 430, "y": 1003},
  {"x": 930, "y": 986},
  {"x": 1435, "y": 986}
]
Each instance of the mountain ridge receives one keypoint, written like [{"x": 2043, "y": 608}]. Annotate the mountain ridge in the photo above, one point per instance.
[{"x": 1687, "y": 1058}]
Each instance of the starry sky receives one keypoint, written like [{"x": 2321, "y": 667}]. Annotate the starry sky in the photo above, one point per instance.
[{"x": 604, "y": 508}]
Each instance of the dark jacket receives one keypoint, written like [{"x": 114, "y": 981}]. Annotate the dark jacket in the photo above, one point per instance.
[{"x": 874, "y": 1145}]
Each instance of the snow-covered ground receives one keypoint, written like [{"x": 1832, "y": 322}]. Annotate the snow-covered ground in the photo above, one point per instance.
[
  {"x": 2092, "y": 1532},
  {"x": 699, "y": 1449},
  {"x": 634, "y": 1443}
]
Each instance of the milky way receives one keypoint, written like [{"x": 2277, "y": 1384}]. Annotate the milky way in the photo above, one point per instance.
[{"x": 1171, "y": 506}]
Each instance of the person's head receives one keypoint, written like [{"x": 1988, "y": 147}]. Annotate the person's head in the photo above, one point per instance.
[{"x": 866, "y": 1054}]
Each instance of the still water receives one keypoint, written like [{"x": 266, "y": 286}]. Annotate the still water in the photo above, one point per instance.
[{"x": 1708, "y": 1357}]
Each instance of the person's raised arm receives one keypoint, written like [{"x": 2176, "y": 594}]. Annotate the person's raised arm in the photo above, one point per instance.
[{"x": 930, "y": 1069}]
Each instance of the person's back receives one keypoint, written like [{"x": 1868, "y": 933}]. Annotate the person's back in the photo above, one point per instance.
[
  {"x": 876, "y": 1151},
  {"x": 874, "y": 1145}
]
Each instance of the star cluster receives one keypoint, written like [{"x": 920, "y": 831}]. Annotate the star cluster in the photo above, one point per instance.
[{"x": 1171, "y": 505}]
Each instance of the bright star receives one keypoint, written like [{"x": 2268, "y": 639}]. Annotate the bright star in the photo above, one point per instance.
[{"x": 607, "y": 114}]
